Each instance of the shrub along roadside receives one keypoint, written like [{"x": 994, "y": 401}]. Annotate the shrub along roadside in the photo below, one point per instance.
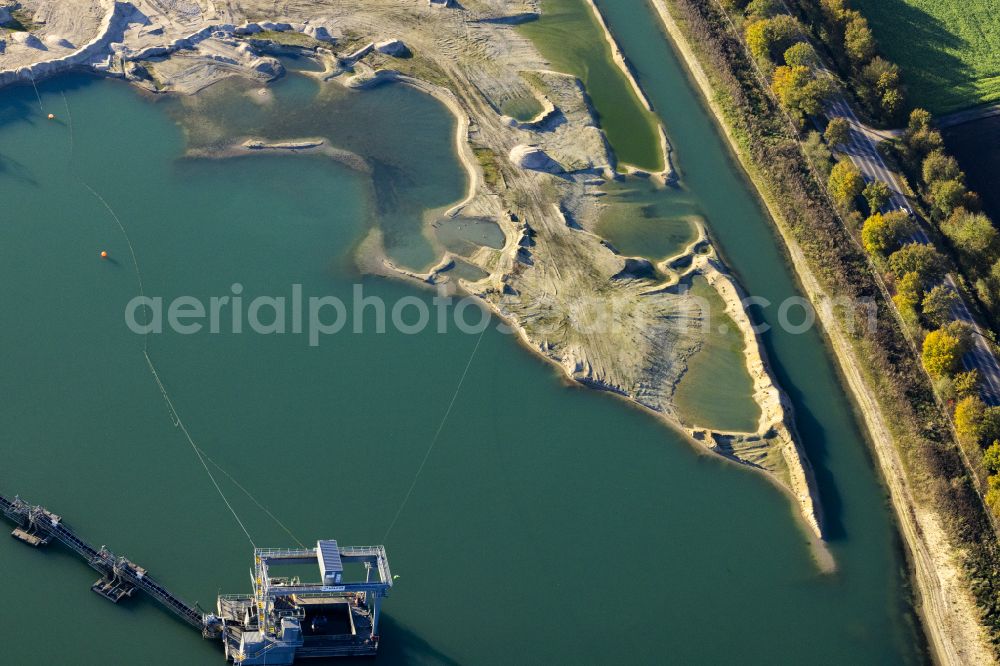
[{"x": 969, "y": 235}]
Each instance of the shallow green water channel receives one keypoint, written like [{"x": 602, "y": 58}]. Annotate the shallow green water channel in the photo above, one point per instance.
[
  {"x": 549, "y": 525},
  {"x": 569, "y": 36}
]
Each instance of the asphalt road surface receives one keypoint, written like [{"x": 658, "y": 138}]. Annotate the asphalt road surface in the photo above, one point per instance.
[{"x": 862, "y": 152}]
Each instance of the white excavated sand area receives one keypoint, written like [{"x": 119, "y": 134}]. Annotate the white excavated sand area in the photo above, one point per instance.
[{"x": 570, "y": 297}]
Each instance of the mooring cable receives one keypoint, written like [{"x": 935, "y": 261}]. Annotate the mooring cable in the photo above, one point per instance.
[
  {"x": 128, "y": 240},
  {"x": 437, "y": 435},
  {"x": 180, "y": 424},
  {"x": 252, "y": 498},
  {"x": 35, "y": 86},
  {"x": 69, "y": 119},
  {"x": 174, "y": 415},
  {"x": 172, "y": 410}
]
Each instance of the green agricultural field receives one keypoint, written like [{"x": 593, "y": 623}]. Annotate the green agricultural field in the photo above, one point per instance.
[{"x": 949, "y": 49}]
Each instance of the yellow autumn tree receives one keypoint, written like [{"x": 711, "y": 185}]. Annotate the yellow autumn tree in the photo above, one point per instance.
[
  {"x": 970, "y": 413},
  {"x": 858, "y": 40},
  {"x": 966, "y": 383},
  {"x": 770, "y": 37},
  {"x": 991, "y": 457},
  {"x": 909, "y": 292},
  {"x": 993, "y": 493},
  {"x": 799, "y": 90},
  {"x": 884, "y": 234},
  {"x": 788, "y": 84},
  {"x": 941, "y": 353},
  {"x": 758, "y": 38},
  {"x": 845, "y": 183}
]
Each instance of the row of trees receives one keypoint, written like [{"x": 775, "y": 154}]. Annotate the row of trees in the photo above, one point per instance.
[
  {"x": 955, "y": 210},
  {"x": 777, "y": 43},
  {"x": 915, "y": 270},
  {"x": 925, "y": 304},
  {"x": 775, "y": 40},
  {"x": 849, "y": 39},
  {"x": 847, "y": 186}
]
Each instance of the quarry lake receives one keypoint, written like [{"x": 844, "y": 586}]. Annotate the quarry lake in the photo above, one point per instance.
[{"x": 538, "y": 500}]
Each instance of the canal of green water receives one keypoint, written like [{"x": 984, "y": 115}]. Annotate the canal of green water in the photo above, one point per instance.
[{"x": 570, "y": 38}]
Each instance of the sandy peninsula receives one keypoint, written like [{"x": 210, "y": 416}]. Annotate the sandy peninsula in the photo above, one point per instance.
[{"x": 606, "y": 320}]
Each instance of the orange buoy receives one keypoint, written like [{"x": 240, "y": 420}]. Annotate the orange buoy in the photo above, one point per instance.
[
  {"x": 52, "y": 116},
  {"x": 104, "y": 254}
]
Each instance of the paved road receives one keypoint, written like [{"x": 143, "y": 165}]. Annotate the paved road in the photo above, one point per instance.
[
  {"x": 863, "y": 153},
  {"x": 968, "y": 115}
]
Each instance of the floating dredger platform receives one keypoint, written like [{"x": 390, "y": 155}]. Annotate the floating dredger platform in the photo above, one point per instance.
[{"x": 284, "y": 619}]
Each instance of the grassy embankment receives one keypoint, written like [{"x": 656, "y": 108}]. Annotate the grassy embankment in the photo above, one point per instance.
[
  {"x": 949, "y": 50},
  {"x": 919, "y": 430}
]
